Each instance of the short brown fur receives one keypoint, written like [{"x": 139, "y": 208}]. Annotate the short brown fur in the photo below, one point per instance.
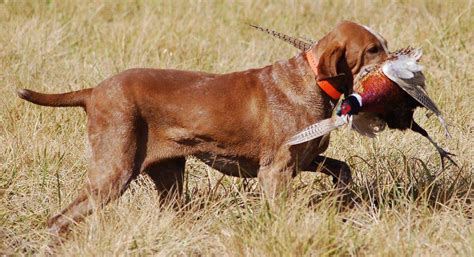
[{"x": 148, "y": 120}]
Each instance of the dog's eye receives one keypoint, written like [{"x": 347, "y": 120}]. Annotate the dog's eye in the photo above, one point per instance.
[{"x": 373, "y": 49}]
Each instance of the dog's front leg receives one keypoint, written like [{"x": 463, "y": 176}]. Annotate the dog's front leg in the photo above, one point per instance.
[
  {"x": 338, "y": 170},
  {"x": 274, "y": 176},
  {"x": 341, "y": 177}
]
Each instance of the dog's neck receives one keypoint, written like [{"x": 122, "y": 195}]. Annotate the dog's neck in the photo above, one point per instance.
[{"x": 295, "y": 79}]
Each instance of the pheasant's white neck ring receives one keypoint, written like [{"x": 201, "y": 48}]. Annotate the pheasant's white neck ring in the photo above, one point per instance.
[{"x": 358, "y": 97}]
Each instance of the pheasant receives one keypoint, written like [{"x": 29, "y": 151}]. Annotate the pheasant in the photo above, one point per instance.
[{"x": 385, "y": 94}]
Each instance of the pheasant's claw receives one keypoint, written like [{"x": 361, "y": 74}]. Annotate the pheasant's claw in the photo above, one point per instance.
[{"x": 446, "y": 155}]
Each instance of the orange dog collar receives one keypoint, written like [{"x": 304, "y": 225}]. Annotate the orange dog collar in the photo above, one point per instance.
[{"x": 329, "y": 89}]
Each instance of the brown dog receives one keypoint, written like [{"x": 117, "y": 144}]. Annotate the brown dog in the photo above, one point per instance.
[{"x": 148, "y": 120}]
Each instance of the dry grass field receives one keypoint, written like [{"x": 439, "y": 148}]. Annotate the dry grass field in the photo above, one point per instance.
[{"x": 408, "y": 207}]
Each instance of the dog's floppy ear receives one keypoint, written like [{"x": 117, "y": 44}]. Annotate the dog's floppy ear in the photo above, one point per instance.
[{"x": 328, "y": 62}]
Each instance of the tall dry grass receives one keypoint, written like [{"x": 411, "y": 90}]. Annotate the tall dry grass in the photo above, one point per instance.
[{"x": 408, "y": 206}]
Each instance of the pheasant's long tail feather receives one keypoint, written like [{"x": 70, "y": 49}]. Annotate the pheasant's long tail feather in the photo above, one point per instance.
[
  {"x": 296, "y": 42},
  {"x": 317, "y": 130}
]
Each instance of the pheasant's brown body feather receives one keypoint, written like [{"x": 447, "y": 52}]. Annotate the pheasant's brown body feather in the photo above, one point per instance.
[{"x": 390, "y": 92}]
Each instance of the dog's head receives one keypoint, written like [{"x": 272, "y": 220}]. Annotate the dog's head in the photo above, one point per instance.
[
  {"x": 342, "y": 52},
  {"x": 345, "y": 50}
]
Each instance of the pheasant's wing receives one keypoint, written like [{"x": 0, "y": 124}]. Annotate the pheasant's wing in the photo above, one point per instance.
[
  {"x": 317, "y": 130},
  {"x": 367, "y": 124},
  {"x": 414, "y": 86},
  {"x": 404, "y": 70}
]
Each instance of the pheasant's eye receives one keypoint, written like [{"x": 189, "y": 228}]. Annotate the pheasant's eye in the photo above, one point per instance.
[{"x": 373, "y": 49}]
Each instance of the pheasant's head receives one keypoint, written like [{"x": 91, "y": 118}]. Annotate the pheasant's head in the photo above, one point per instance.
[{"x": 351, "y": 105}]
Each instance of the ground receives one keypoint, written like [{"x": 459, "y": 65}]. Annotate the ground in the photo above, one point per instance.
[{"x": 407, "y": 205}]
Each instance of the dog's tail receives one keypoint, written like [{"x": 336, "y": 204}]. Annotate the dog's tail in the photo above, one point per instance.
[{"x": 75, "y": 98}]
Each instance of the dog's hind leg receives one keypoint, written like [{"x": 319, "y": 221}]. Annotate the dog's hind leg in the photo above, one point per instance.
[
  {"x": 168, "y": 176},
  {"x": 113, "y": 164}
]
